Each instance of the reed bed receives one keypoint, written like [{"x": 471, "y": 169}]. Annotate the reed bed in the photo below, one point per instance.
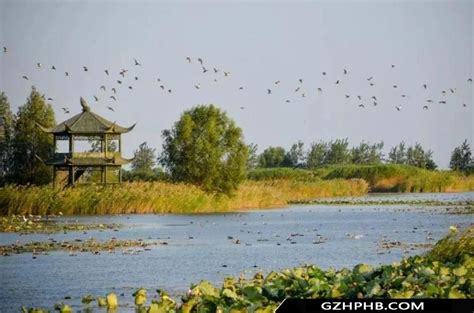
[{"x": 163, "y": 197}]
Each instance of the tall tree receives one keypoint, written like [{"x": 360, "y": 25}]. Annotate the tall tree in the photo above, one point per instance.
[
  {"x": 145, "y": 159},
  {"x": 272, "y": 157},
  {"x": 252, "y": 160},
  {"x": 397, "y": 154},
  {"x": 6, "y": 136},
  {"x": 295, "y": 156},
  {"x": 206, "y": 148},
  {"x": 31, "y": 145},
  {"x": 461, "y": 157},
  {"x": 367, "y": 154},
  {"x": 338, "y": 152},
  {"x": 317, "y": 155}
]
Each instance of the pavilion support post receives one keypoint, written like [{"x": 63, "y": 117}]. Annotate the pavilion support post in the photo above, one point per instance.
[
  {"x": 120, "y": 144},
  {"x": 105, "y": 175},
  {"x": 101, "y": 174},
  {"x": 105, "y": 149},
  {"x": 73, "y": 173},
  {"x": 120, "y": 174},
  {"x": 54, "y": 173}
]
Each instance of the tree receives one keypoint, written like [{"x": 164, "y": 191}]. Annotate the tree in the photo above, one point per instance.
[
  {"x": 416, "y": 156},
  {"x": 295, "y": 156},
  {"x": 317, "y": 155},
  {"x": 367, "y": 154},
  {"x": 338, "y": 152},
  {"x": 31, "y": 145},
  {"x": 272, "y": 157},
  {"x": 6, "y": 136},
  {"x": 144, "y": 160},
  {"x": 206, "y": 148},
  {"x": 252, "y": 160},
  {"x": 397, "y": 154},
  {"x": 461, "y": 157}
]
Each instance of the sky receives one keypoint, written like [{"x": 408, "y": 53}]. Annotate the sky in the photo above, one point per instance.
[{"x": 258, "y": 43}]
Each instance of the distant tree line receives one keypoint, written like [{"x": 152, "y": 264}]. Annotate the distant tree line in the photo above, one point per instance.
[{"x": 338, "y": 152}]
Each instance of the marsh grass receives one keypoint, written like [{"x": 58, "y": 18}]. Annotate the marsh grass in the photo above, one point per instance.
[{"x": 162, "y": 197}]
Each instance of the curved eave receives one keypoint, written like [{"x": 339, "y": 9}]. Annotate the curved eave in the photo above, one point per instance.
[
  {"x": 116, "y": 129},
  {"x": 45, "y": 129}
]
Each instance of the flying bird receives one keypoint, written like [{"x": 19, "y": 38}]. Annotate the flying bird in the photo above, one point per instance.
[
  {"x": 119, "y": 81},
  {"x": 111, "y": 109},
  {"x": 96, "y": 98},
  {"x": 361, "y": 106},
  {"x": 395, "y": 86},
  {"x": 241, "y": 88},
  {"x": 114, "y": 90},
  {"x": 130, "y": 87},
  {"x": 53, "y": 68},
  {"x": 66, "y": 110},
  {"x": 113, "y": 98},
  {"x": 372, "y": 84},
  {"x": 469, "y": 80},
  {"x": 464, "y": 105},
  {"x": 66, "y": 73},
  {"x": 297, "y": 89},
  {"x": 429, "y": 100},
  {"x": 158, "y": 79},
  {"x": 425, "y": 107},
  {"x": 277, "y": 82},
  {"x": 204, "y": 70},
  {"x": 25, "y": 77},
  {"x": 50, "y": 99},
  {"x": 320, "y": 90},
  {"x": 198, "y": 86},
  {"x": 200, "y": 60},
  {"x": 393, "y": 66},
  {"x": 303, "y": 95},
  {"x": 5, "y": 50},
  {"x": 360, "y": 98},
  {"x": 122, "y": 72},
  {"x": 106, "y": 72},
  {"x": 189, "y": 59},
  {"x": 169, "y": 90},
  {"x": 370, "y": 78},
  {"x": 136, "y": 77},
  {"x": 162, "y": 87},
  {"x": 442, "y": 102},
  {"x": 300, "y": 80},
  {"x": 452, "y": 90},
  {"x": 288, "y": 101},
  {"x": 375, "y": 103},
  {"x": 345, "y": 71},
  {"x": 399, "y": 108},
  {"x": 38, "y": 65},
  {"x": 226, "y": 74},
  {"x": 136, "y": 62},
  {"x": 102, "y": 87},
  {"x": 324, "y": 73},
  {"x": 242, "y": 108},
  {"x": 215, "y": 70},
  {"x": 337, "y": 82},
  {"x": 374, "y": 97},
  {"x": 404, "y": 96},
  {"x": 85, "y": 68},
  {"x": 269, "y": 91},
  {"x": 348, "y": 96},
  {"x": 425, "y": 86}
]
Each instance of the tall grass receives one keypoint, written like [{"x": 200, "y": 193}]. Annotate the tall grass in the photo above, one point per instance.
[
  {"x": 161, "y": 197},
  {"x": 381, "y": 178}
]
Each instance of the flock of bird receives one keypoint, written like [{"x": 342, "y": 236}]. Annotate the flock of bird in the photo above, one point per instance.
[{"x": 299, "y": 90}]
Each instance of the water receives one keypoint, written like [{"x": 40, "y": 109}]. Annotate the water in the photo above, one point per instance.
[{"x": 46, "y": 280}]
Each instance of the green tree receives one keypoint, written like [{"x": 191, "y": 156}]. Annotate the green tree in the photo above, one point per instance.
[
  {"x": 206, "y": 148},
  {"x": 6, "y": 136},
  {"x": 31, "y": 145},
  {"x": 338, "y": 152},
  {"x": 461, "y": 157},
  {"x": 416, "y": 156},
  {"x": 144, "y": 160},
  {"x": 252, "y": 160},
  {"x": 295, "y": 156},
  {"x": 367, "y": 154},
  {"x": 317, "y": 154},
  {"x": 397, "y": 154},
  {"x": 272, "y": 157}
]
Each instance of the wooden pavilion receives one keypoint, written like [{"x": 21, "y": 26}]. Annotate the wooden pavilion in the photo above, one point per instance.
[{"x": 73, "y": 165}]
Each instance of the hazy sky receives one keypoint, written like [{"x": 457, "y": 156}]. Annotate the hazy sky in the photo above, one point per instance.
[{"x": 258, "y": 43}]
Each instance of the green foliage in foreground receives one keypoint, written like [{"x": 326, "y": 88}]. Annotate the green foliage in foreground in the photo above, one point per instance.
[{"x": 445, "y": 272}]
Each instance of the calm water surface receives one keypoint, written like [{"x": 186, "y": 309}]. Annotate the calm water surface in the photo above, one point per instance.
[{"x": 198, "y": 247}]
